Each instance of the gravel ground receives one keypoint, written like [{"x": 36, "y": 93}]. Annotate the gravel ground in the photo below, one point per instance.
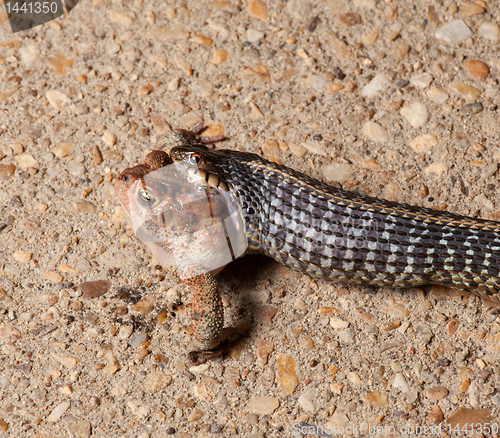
[{"x": 393, "y": 99}]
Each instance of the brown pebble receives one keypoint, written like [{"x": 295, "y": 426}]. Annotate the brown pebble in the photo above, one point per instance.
[
  {"x": 161, "y": 317},
  {"x": 451, "y": 327},
  {"x": 7, "y": 170},
  {"x": 96, "y": 156},
  {"x": 350, "y": 18},
  {"x": 258, "y": 9},
  {"x": 464, "y": 416},
  {"x": 400, "y": 49},
  {"x": 437, "y": 393},
  {"x": 94, "y": 289},
  {"x": 477, "y": 69},
  {"x": 264, "y": 313},
  {"x": 15, "y": 79},
  {"x": 145, "y": 89},
  {"x": 3, "y": 425},
  {"x": 423, "y": 191},
  {"x": 435, "y": 416}
]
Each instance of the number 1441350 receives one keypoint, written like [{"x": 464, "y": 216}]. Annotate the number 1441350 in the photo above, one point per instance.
[{"x": 31, "y": 7}]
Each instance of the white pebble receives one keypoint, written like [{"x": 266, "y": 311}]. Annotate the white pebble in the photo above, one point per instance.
[
  {"x": 415, "y": 114},
  {"x": 378, "y": 84},
  {"x": 376, "y": 133},
  {"x": 307, "y": 401},
  {"x": 489, "y": 31},
  {"x": 455, "y": 30},
  {"x": 422, "y": 80},
  {"x": 401, "y": 384},
  {"x": 337, "y": 172},
  {"x": 58, "y": 412}
]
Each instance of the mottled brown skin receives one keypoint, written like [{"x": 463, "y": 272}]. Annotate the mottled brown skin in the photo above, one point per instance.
[{"x": 207, "y": 311}]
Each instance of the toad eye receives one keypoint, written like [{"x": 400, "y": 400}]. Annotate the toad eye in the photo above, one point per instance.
[{"x": 145, "y": 198}]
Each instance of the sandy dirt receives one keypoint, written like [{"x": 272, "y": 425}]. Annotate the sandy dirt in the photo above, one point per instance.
[{"x": 395, "y": 99}]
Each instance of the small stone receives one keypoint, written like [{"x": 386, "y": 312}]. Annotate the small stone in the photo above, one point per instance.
[
  {"x": 144, "y": 306},
  {"x": 297, "y": 150},
  {"x": 435, "y": 416},
  {"x": 353, "y": 378},
  {"x": 3, "y": 425},
  {"x": 437, "y": 393},
  {"x": 423, "y": 144},
  {"x": 82, "y": 207},
  {"x": 422, "y": 80},
  {"x": 399, "y": 49},
  {"x": 202, "y": 41},
  {"x": 137, "y": 339},
  {"x": 94, "y": 289},
  {"x": 60, "y": 63},
  {"x": 258, "y": 9},
  {"x": 307, "y": 401},
  {"x": 139, "y": 408},
  {"x": 337, "y": 323},
  {"x": 29, "y": 54},
  {"x": 477, "y": 69},
  {"x": 471, "y": 108},
  {"x": 263, "y": 405},
  {"x": 453, "y": 31},
  {"x": 370, "y": 38},
  {"x": 9, "y": 332},
  {"x": 468, "y": 92},
  {"x": 58, "y": 412},
  {"x": 67, "y": 269},
  {"x": 339, "y": 48},
  {"x": 287, "y": 374},
  {"x": 57, "y": 99},
  {"x": 220, "y": 56},
  {"x": 109, "y": 138},
  {"x": 350, "y": 18},
  {"x": 7, "y": 170},
  {"x": 376, "y": 133},
  {"x": 437, "y": 94},
  {"x": 26, "y": 161},
  {"x": 96, "y": 156},
  {"x": 204, "y": 88},
  {"x": 337, "y": 172},
  {"x": 376, "y": 399},
  {"x": 415, "y": 114},
  {"x": 22, "y": 256},
  {"x": 145, "y": 89},
  {"x": 62, "y": 150},
  {"x": 378, "y": 84},
  {"x": 156, "y": 382},
  {"x": 121, "y": 17},
  {"x": 489, "y": 31},
  {"x": 463, "y": 417},
  {"x": 254, "y": 36},
  {"x": 183, "y": 65},
  {"x": 159, "y": 123},
  {"x": 51, "y": 277},
  {"x": 203, "y": 392},
  {"x": 112, "y": 366},
  {"x": 299, "y": 9},
  {"x": 469, "y": 10},
  {"x": 68, "y": 361},
  {"x": 125, "y": 331},
  {"x": 315, "y": 82},
  {"x": 264, "y": 349},
  {"x": 401, "y": 384},
  {"x": 258, "y": 74}
]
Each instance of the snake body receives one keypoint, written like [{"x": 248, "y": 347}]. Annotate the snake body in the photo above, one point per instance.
[{"x": 338, "y": 235}]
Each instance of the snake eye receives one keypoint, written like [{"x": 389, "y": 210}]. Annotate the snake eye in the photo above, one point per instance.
[
  {"x": 125, "y": 178},
  {"x": 195, "y": 158},
  {"x": 146, "y": 199}
]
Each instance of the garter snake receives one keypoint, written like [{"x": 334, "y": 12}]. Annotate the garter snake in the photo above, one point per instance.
[{"x": 338, "y": 235}]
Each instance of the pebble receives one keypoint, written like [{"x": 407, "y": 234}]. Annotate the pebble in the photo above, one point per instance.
[
  {"x": 353, "y": 378},
  {"x": 60, "y": 63},
  {"x": 202, "y": 40},
  {"x": 423, "y": 144},
  {"x": 401, "y": 384},
  {"x": 62, "y": 150},
  {"x": 58, "y": 412},
  {"x": 399, "y": 49},
  {"x": 469, "y": 10},
  {"x": 138, "y": 408},
  {"x": 437, "y": 94},
  {"x": 287, "y": 374},
  {"x": 96, "y": 156},
  {"x": 220, "y": 56},
  {"x": 377, "y": 85},
  {"x": 125, "y": 331},
  {"x": 145, "y": 89},
  {"x": 258, "y": 9},
  {"x": 375, "y": 399},
  {"x": 465, "y": 416},
  {"x": 121, "y": 17},
  {"x": 337, "y": 172},
  {"x": 82, "y": 207},
  {"x": 437, "y": 393},
  {"x": 376, "y": 133},
  {"x": 9, "y": 332},
  {"x": 338, "y": 323},
  {"x": 471, "y": 108},
  {"x": 22, "y": 256},
  {"x": 57, "y": 99},
  {"x": 137, "y": 339},
  {"x": 156, "y": 382},
  {"x": 468, "y": 92},
  {"x": 109, "y": 138},
  {"x": 112, "y": 366},
  {"x": 421, "y": 80},
  {"x": 435, "y": 416},
  {"x": 68, "y": 361},
  {"x": 339, "y": 48},
  {"x": 254, "y": 36},
  {"x": 3, "y": 425},
  {"x": 264, "y": 349},
  {"x": 7, "y": 170},
  {"x": 489, "y": 31},
  {"x": 51, "y": 277},
  {"x": 299, "y": 9},
  {"x": 477, "y": 69},
  {"x": 26, "y": 161},
  {"x": 453, "y": 31},
  {"x": 307, "y": 401},
  {"x": 263, "y": 405},
  {"x": 203, "y": 88},
  {"x": 29, "y": 54},
  {"x": 94, "y": 289},
  {"x": 415, "y": 114}
]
